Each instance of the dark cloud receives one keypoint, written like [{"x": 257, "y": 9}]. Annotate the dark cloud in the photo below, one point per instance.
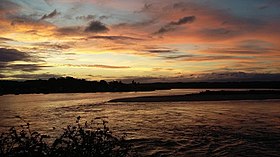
[
  {"x": 113, "y": 37},
  {"x": 103, "y": 17},
  {"x": 96, "y": 27},
  {"x": 10, "y": 55},
  {"x": 198, "y": 58},
  {"x": 110, "y": 66},
  {"x": 241, "y": 24},
  {"x": 4, "y": 40},
  {"x": 86, "y": 18},
  {"x": 54, "y": 46},
  {"x": 216, "y": 31},
  {"x": 91, "y": 17},
  {"x": 97, "y": 66},
  {"x": 161, "y": 51},
  {"x": 184, "y": 20},
  {"x": 172, "y": 25},
  {"x": 22, "y": 67},
  {"x": 50, "y": 15},
  {"x": 178, "y": 56},
  {"x": 35, "y": 32}
]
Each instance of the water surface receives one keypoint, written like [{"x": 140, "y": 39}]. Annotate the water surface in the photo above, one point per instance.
[{"x": 222, "y": 128}]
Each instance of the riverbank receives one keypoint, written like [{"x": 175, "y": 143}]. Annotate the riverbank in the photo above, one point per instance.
[{"x": 208, "y": 96}]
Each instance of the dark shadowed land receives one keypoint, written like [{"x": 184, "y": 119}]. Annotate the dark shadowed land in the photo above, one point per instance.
[
  {"x": 208, "y": 96},
  {"x": 73, "y": 85}
]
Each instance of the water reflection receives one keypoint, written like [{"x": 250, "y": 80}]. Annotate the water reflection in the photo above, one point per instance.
[{"x": 228, "y": 128}]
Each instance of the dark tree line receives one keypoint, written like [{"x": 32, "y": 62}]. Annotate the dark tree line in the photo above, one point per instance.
[
  {"x": 63, "y": 85},
  {"x": 73, "y": 85}
]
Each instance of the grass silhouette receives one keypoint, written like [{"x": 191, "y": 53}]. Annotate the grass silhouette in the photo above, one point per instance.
[{"x": 87, "y": 140}]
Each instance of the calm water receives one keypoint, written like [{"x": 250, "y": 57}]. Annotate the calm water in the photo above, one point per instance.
[{"x": 226, "y": 128}]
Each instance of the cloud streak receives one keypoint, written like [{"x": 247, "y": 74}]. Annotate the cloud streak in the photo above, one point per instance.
[
  {"x": 113, "y": 37},
  {"x": 97, "y": 66},
  {"x": 23, "y": 67},
  {"x": 184, "y": 20},
  {"x": 204, "y": 58},
  {"x": 172, "y": 25},
  {"x": 50, "y": 15},
  {"x": 10, "y": 55},
  {"x": 86, "y": 18}
]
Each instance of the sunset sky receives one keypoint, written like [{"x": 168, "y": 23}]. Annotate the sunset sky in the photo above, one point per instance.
[{"x": 145, "y": 40}]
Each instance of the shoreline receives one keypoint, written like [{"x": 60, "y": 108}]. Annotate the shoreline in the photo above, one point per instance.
[{"x": 208, "y": 95}]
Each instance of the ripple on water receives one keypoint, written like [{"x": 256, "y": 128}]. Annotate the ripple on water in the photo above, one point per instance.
[
  {"x": 230, "y": 128},
  {"x": 203, "y": 140}
]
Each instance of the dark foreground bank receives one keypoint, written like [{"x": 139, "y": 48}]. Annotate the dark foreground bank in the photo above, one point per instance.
[
  {"x": 78, "y": 140},
  {"x": 208, "y": 96}
]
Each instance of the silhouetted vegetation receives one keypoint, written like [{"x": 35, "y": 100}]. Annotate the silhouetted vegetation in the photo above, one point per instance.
[
  {"x": 79, "y": 140},
  {"x": 73, "y": 85}
]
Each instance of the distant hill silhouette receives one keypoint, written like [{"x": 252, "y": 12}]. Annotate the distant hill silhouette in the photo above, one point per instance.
[{"x": 73, "y": 85}]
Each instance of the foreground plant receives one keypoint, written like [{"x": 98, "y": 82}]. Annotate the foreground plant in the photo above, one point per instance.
[{"x": 87, "y": 140}]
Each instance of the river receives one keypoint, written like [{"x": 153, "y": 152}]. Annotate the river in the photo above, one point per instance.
[{"x": 218, "y": 128}]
